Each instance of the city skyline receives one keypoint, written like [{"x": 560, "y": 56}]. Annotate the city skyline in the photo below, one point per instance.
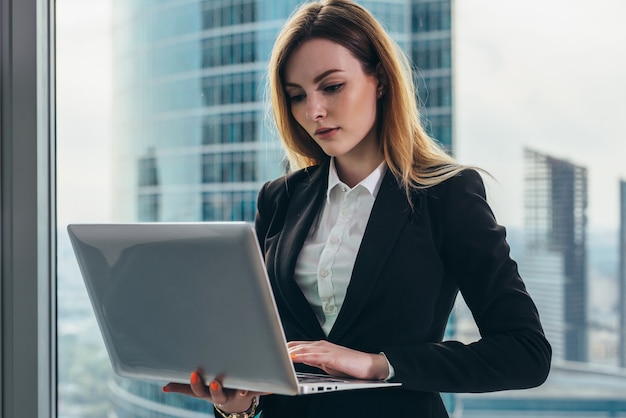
[
  {"x": 552, "y": 80},
  {"x": 512, "y": 91},
  {"x": 489, "y": 132}
]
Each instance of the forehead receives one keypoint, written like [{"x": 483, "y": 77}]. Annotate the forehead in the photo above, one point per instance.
[{"x": 317, "y": 56}]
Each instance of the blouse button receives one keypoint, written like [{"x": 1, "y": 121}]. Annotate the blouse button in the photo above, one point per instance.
[{"x": 329, "y": 308}]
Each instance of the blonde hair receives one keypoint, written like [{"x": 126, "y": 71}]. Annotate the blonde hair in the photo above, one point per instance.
[{"x": 415, "y": 159}]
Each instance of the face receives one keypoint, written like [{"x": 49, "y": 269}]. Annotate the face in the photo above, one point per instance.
[{"x": 334, "y": 100}]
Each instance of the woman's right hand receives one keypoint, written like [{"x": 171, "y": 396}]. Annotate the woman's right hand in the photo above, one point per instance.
[{"x": 227, "y": 400}]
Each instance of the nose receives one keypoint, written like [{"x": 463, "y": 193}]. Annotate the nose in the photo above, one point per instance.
[{"x": 315, "y": 108}]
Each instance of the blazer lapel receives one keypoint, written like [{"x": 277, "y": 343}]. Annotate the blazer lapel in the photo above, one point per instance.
[
  {"x": 386, "y": 220},
  {"x": 305, "y": 203}
]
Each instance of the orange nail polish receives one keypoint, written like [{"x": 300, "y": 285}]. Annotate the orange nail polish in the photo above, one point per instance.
[
  {"x": 293, "y": 356},
  {"x": 194, "y": 378},
  {"x": 214, "y": 386},
  {"x": 166, "y": 389}
]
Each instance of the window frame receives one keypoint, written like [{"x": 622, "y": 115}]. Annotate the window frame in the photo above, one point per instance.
[{"x": 27, "y": 209}]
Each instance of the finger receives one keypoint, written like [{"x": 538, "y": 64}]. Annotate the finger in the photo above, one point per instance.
[
  {"x": 197, "y": 386},
  {"x": 181, "y": 388},
  {"x": 312, "y": 357},
  {"x": 218, "y": 395},
  {"x": 297, "y": 344},
  {"x": 296, "y": 347}
]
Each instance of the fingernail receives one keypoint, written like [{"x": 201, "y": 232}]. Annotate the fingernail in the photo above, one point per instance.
[
  {"x": 194, "y": 378},
  {"x": 293, "y": 356},
  {"x": 165, "y": 389},
  {"x": 214, "y": 386}
]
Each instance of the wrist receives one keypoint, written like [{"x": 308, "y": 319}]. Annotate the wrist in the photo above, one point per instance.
[
  {"x": 382, "y": 367},
  {"x": 249, "y": 413}
]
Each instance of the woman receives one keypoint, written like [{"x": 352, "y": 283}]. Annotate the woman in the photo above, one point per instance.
[{"x": 371, "y": 236}]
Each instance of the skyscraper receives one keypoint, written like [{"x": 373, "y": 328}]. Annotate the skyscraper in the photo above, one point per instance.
[
  {"x": 192, "y": 141},
  {"x": 190, "y": 126},
  {"x": 189, "y": 111},
  {"x": 622, "y": 273},
  {"x": 431, "y": 51},
  {"x": 555, "y": 261}
]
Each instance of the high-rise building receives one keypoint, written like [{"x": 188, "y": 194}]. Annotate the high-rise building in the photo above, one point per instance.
[
  {"x": 555, "y": 262},
  {"x": 190, "y": 122},
  {"x": 431, "y": 51},
  {"x": 191, "y": 136},
  {"x": 622, "y": 273},
  {"x": 189, "y": 107}
]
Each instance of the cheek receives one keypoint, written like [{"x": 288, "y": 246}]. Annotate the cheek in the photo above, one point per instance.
[
  {"x": 298, "y": 113},
  {"x": 364, "y": 102},
  {"x": 366, "y": 107}
]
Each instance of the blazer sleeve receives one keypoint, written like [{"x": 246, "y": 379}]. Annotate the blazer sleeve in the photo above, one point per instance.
[
  {"x": 512, "y": 352},
  {"x": 261, "y": 218},
  {"x": 272, "y": 203}
]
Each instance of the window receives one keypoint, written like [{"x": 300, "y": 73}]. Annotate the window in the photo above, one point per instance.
[
  {"x": 27, "y": 224},
  {"x": 508, "y": 99}
]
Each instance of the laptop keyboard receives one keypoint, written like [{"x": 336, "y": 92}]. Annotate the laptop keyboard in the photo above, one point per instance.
[{"x": 312, "y": 378}]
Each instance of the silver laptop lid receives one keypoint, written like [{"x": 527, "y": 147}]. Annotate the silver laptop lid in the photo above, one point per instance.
[{"x": 172, "y": 297}]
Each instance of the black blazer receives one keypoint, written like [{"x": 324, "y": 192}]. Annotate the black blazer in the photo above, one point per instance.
[{"x": 410, "y": 266}]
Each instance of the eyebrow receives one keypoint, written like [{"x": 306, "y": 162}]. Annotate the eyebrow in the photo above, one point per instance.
[{"x": 317, "y": 79}]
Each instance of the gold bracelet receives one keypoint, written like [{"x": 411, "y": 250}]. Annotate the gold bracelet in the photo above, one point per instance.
[{"x": 247, "y": 414}]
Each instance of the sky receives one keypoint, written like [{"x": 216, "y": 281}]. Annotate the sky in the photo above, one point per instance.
[
  {"x": 545, "y": 74},
  {"x": 84, "y": 100},
  {"x": 549, "y": 75}
]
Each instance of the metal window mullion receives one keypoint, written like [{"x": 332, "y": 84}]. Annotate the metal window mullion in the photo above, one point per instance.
[{"x": 27, "y": 243}]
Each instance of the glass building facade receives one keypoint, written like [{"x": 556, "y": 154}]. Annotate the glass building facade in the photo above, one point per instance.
[
  {"x": 191, "y": 130},
  {"x": 622, "y": 273},
  {"x": 555, "y": 217},
  {"x": 545, "y": 278},
  {"x": 189, "y": 112},
  {"x": 191, "y": 135},
  {"x": 431, "y": 51}
]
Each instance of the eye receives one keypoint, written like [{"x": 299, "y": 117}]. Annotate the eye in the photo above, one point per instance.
[
  {"x": 333, "y": 88},
  {"x": 296, "y": 98}
]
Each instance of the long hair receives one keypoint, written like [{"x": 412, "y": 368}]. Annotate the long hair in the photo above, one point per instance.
[{"x": 415, "y": 159}]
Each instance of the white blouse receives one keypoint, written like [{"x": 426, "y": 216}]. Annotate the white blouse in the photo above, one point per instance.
[{"x": 325, "y": 264}]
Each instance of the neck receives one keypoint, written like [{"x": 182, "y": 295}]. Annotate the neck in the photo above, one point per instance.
[{"x": 353, "y": 172}]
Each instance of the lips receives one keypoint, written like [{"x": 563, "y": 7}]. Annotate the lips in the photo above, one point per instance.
[{"x": 325, "y": 132}]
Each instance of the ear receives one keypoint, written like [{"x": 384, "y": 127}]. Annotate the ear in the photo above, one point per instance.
[{"x": 383, "y": 80}]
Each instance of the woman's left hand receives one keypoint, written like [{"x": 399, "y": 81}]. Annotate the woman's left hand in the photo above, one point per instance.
[
  {"x": 339, "y": 361},
  {"x": 228, "y": 400}
]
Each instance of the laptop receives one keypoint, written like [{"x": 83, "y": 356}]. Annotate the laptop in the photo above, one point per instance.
[{"x": 170, "y": 298}]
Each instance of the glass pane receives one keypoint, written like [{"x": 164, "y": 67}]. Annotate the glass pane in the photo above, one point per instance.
[
  {"x": 537, "y": 106},
  {"x": 160, "y": 117},
  {"x": 83, "y": 195}
]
